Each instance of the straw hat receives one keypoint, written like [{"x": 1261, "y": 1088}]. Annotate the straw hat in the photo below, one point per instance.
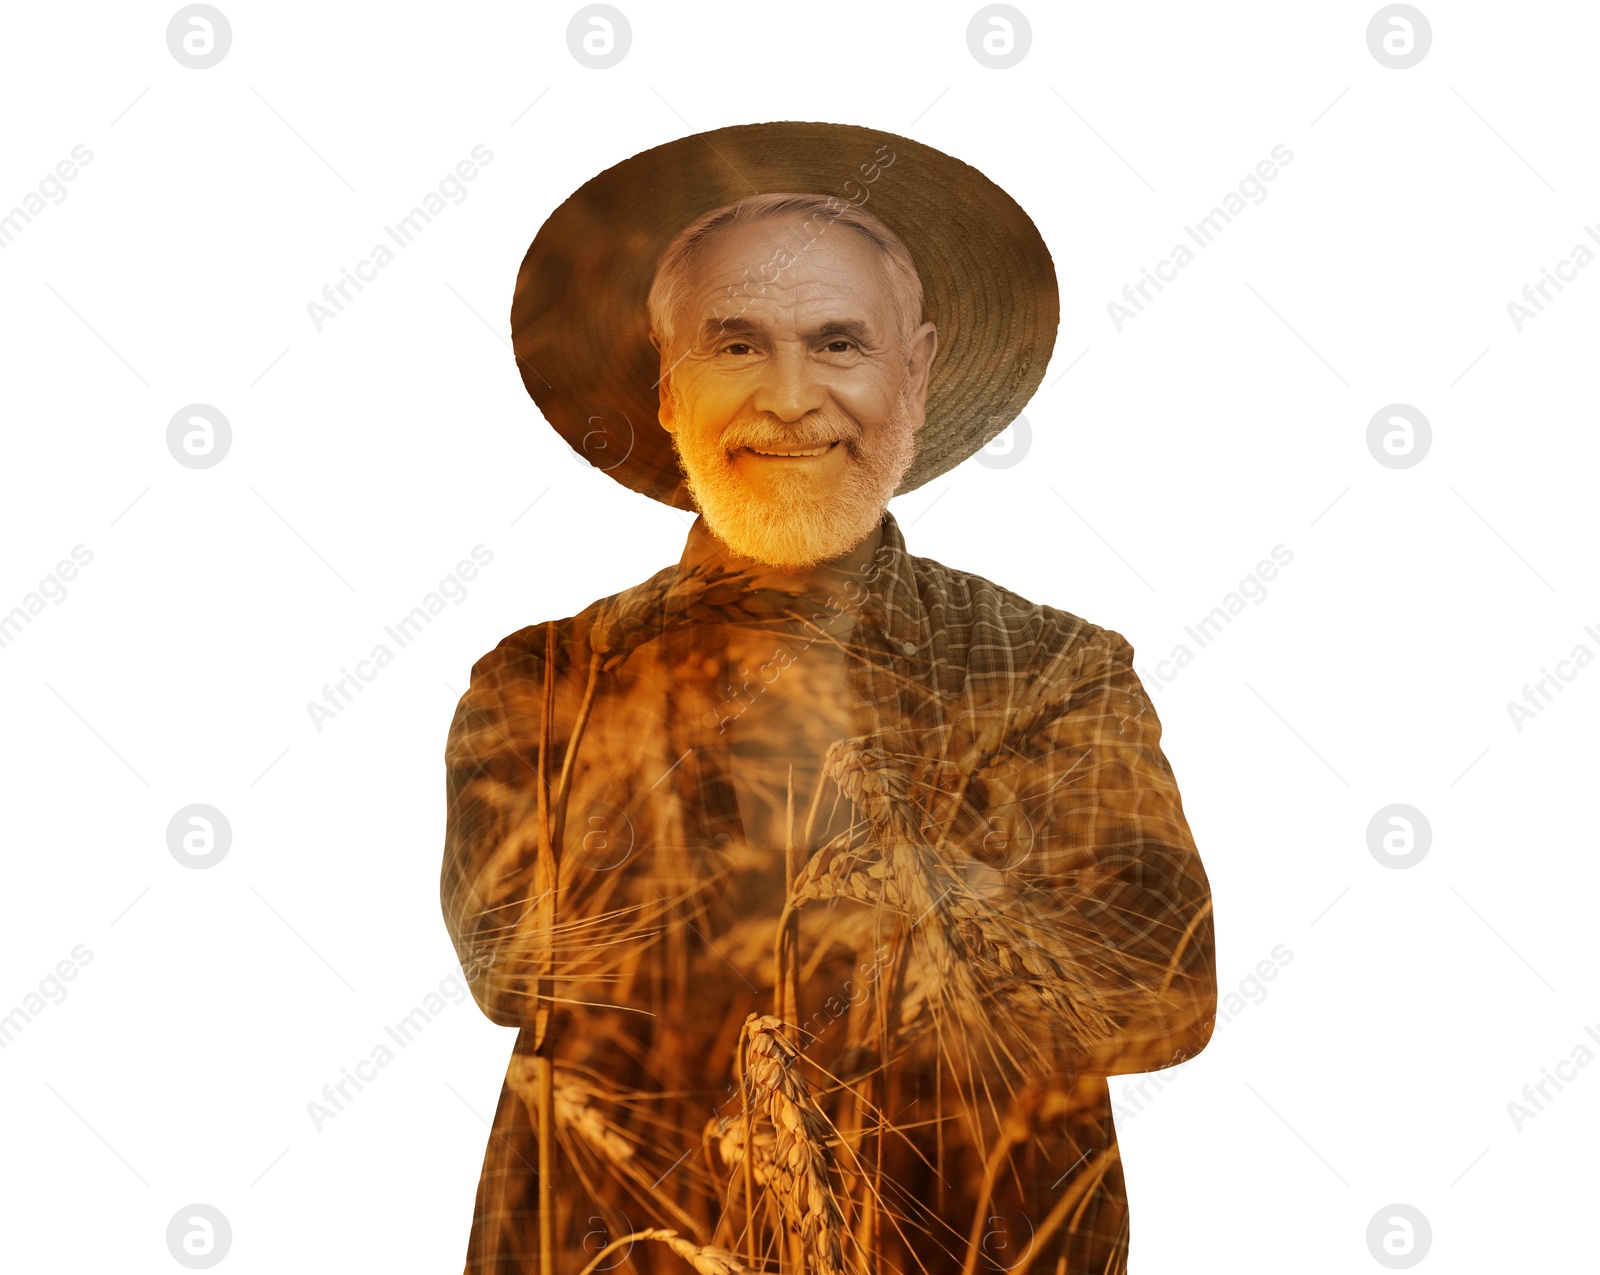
[{"x": 579, "y": 324}]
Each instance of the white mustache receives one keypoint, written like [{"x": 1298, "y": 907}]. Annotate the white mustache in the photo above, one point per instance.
[{"x": 766, "y": 436}]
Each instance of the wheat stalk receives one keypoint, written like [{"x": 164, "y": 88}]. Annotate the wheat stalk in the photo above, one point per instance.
[
  {"x": 705, "y": 1258},
  {"x": 1032, "y": 1108},
  {"x": 800, "y": 1160},
  {"x": 575, "y": 1112},
  {"x": 552, "y": 814},
  {"x": 547, "y": 872}
]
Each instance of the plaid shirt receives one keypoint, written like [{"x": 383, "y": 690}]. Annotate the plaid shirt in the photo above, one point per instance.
[{"x": 1002, "y": 904}]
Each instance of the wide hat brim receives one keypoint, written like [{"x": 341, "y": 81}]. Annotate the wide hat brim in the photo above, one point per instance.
[{"x": 579, "y": 323}]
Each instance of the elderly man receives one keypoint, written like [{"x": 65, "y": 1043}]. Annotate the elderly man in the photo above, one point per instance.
[{"x": 825, "y": 883}]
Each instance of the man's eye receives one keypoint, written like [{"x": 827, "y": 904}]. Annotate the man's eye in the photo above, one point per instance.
[
  {"x": 737, "y": 348},
  {"x": 840, "y": 346}
]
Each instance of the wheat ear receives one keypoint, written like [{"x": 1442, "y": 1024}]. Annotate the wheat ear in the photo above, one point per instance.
[
  {"x": 800, "y": 1154},
  {"x": 705, "y": 1258}
]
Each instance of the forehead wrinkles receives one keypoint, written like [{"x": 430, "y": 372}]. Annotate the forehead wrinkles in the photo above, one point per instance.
[
  {"x": 784, "y": 307},
  {"x": 739, "y": 276}
]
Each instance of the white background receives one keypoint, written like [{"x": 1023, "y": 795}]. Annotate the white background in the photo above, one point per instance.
[{"x": 1166, "y": 460}]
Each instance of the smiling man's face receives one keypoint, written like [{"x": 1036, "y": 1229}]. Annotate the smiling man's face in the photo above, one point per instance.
[{"x": 794, "y": 409}]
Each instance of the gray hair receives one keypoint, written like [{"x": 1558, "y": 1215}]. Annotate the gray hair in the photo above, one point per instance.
[{"x": 672, "y": 270}]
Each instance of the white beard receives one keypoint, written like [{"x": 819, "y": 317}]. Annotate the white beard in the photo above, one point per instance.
[{"x": 799, "y": 526}]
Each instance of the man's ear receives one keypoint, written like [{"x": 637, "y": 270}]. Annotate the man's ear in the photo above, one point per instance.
[
  {"x": 663, "y": 386},
  {"x": 924, "y": 345},
  {"x": 664, "y": 408}
]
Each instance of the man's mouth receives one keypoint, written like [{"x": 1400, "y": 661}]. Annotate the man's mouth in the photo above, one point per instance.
[{"x": 793, "y": 452}]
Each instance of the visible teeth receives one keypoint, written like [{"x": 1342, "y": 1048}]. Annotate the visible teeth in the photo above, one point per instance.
[{"x": 803, "y": 451}]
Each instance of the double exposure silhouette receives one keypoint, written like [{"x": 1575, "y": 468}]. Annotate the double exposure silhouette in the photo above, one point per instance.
[{"x": 824, "y": 883}]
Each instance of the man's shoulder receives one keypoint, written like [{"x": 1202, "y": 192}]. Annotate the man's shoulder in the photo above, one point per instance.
[
  {"x": 975, "y": 612},
  {"x": 603, "y": 627}
]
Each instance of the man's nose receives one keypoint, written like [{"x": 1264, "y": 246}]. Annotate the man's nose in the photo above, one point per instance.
[{"x": 789, "y": 386}]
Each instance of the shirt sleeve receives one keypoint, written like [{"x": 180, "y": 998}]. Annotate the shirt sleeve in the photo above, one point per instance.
[
  {"x": 488, "y": 887},
  {"x": 1094, "y": 871}
]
